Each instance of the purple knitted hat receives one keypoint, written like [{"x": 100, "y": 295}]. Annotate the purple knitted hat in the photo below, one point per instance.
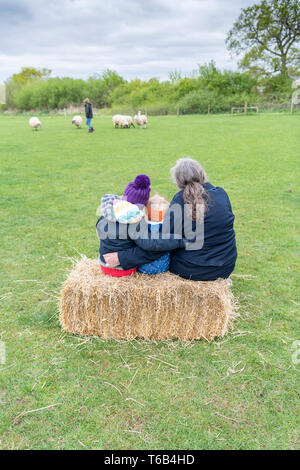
[{"x": 138, "y": 191}]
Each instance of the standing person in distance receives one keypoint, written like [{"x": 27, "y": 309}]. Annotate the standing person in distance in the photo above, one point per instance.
[{"x": 88, "y": 114}]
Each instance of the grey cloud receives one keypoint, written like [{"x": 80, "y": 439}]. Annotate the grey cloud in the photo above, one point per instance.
[
  {"x": 136, "y": 37},
  {"x": 13, "y": 11}
]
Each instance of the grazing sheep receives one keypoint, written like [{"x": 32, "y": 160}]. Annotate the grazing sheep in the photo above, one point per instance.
[
  {"x": 141, "y": 119},
  {"x": 35, "y": 123},
  {"x": 116, "y": 120},
  {"x": 122, "y": 121},
  {"x": 130, "y": 121},
  {"x": 127, "y": 121},
  {"x": 77, "y": 120}
]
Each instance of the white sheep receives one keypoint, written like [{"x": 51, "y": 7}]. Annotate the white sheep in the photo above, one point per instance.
[
  {"x": 116, "y": 120},
  {"x": 129, "y": 121},
  {"x": 77, "y": 120},
  {"x": 35, "y": 123},
  {"x": 141, "y": 119},
  {"x": 126, "y": 121},
  {"x": 123, "y": 121}
]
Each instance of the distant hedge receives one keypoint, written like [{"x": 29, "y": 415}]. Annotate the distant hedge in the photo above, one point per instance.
[{"x": 206, "y": 89}]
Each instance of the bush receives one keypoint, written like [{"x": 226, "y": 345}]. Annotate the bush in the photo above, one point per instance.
[
  {"x": 152, "y": 109},
  {"x": 197, "y": 102},
  {"x": 50, "y": 94},
  {"x": 159, "y": 109}
]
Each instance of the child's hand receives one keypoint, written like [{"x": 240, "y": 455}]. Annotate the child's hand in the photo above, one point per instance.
[{"x": 111, "y": 260}]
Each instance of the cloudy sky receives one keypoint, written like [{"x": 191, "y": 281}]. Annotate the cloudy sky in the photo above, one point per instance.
[{"x": 137, "y": 38}]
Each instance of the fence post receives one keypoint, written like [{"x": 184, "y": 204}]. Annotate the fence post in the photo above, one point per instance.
[
  {"x": 208, "y": 109},
  {"x": 245, "y": 108}
]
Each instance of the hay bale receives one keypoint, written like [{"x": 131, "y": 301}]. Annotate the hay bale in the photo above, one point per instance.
[{"x": 157, "y": 307}]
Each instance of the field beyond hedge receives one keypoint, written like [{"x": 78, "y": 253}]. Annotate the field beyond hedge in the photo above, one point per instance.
[{"x": 59, "y": 391}]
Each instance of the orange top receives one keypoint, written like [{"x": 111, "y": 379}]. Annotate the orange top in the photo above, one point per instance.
[{"x": 156, "y": 215}]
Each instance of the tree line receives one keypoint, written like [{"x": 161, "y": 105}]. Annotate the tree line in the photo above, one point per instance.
[{"x": 206, "y": 87}]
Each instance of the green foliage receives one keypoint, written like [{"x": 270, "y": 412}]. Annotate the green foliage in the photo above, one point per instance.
[
  {"x": 192, "y": 94},
  {"x": 96, "y": 91},
  {"x": 28, "y": 74},
  {"x": 42, "y": 92},
  {"x": 10, "y": 90},
  {"x": 175, "y": 76},
  {"x": 160, "y": 108},
  {"x": 278, "y": 85},
  {"x": 218, "y": 90},
  {"x": 184, "y": 86},
  {"x": 269, "y": 36},
  {"x": 139, "y": 93},
  {"x": 50, "y": 94},
  {"x": 226, "y": 83},
  {"x": 111, "y": 80},
  {"x": 196, "y": 102}
]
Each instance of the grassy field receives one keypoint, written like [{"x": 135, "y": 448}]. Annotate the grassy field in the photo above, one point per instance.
[{"x": 240, "y": 392}]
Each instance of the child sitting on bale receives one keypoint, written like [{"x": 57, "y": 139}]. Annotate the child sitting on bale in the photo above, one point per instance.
[
  {"x": 122, "y": 228},
  {"x": 156, "y": 210}
]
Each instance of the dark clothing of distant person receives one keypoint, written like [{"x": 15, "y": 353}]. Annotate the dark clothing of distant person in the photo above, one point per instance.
[
  {"x": 88, "y": 110},
  {"x": 89, "y": 115}
]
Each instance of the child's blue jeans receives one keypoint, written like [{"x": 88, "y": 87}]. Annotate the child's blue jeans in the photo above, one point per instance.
[
  {"x": 88, "y": 122},
  {"x": 160, "y": 265}
]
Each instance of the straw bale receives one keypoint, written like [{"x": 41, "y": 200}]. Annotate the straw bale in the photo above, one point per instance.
[{"x": 154, "y": 307}]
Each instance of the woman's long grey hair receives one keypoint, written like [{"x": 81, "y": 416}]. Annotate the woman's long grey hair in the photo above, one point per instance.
[{"x": 189, "y": 176}]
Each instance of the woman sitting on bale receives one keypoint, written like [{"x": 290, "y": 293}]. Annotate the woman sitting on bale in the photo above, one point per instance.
[
  {"x": 122, "y": 226},
  {"x": 201, "y": 213}
]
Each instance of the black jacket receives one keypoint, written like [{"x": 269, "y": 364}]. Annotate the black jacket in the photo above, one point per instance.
[
  {"x": 120, "y": 236},
  {"x": 88, "y": 110},
  {"x": 218, "y": 254}
]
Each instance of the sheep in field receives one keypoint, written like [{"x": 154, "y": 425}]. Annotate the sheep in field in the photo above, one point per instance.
[
  {"x": 123, "y": 121},
  {"x": 77, "y": 120},
  {"x": 141, "y": 119},
  {"x": 116, "y": 120},
  {"x": 127, "y": 121},
  {"x": 35, "y": 123}
]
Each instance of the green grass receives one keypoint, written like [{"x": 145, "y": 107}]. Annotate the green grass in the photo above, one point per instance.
[{"x": 240, "y": 392}]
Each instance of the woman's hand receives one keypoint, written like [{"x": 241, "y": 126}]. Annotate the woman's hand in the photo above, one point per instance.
[{"x": 111, "y": 260}]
